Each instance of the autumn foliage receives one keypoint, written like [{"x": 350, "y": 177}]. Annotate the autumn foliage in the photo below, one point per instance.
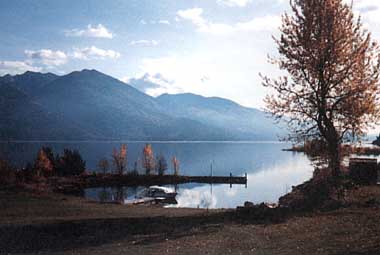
[
  {"x": 148, "y": 159},
  {"x": 43, "y": 165},
  {"x": 120, "y": 159},
  {"x": 331, "y": 90}
]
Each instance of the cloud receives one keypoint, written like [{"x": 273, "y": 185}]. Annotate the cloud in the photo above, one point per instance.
[
  {"x": 16, "y": 67},
  {"x": 364, "y": 5},
  {"x": 234, "y": 3},
  {"x": 38, "y": 60},
  {"x": 145, "y": 42},
  {"x": 165, "y": 22},
  {"x": 47, "y": 57},
  {"x": 98, "y": 31},
  {"x": 94, "y": 53},
  {"x": 264, "y": 23},
  {"x": 153, "y": 84},
  {"x": 194, "y": 15},
  {"x": 370, "y": 10}
]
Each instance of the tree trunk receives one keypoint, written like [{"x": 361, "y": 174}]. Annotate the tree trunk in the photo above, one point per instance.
[{"x": 334, "y": 158}]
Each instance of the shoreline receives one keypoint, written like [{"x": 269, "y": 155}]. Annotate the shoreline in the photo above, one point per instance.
[{"x": 55, "y": 223}]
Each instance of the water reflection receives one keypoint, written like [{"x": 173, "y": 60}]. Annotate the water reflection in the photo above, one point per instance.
[
  {"x": 194, "y": 198},
  {"x": 264, "y": 185},
  {"x": 271, "y": 171}
]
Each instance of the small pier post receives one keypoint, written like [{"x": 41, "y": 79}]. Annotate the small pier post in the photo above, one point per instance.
[
  {"x": 230, "y": 180},
  {"x": 246, "y": 180}
]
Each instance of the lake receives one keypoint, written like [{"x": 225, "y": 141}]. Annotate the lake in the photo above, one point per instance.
[{"x": 271, "y": 172}]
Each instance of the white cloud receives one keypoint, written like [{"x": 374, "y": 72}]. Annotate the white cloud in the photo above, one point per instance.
[
  {"x": 174, "y": 74},
  {"x": 143, "y": 22},
  {"x": 94, "y": 53},
  {"x": 369, "y": 10},
  {"x": 153, "y": 84},
  {"x": 145, "y": 42},
  {"x": 264, "y": 23},
  {"x": 16, "y": 67},
  {"x": 47, "y": 57},
  {"x": 194, "y": 15},
  {"x": 98, "y": 31},
  {"x": 165, "y": 22},
  {"x": 234, "y": 3}
]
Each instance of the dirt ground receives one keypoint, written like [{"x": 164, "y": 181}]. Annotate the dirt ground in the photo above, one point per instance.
[{"x": 56, "y": 224}]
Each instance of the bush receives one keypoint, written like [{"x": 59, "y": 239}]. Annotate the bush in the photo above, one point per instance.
[
  {"x": 7, "y": 173},
  {"x": 70, "y": 163}
]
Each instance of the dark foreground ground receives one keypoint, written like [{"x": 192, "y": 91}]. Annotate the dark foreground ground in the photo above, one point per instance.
[{"x": 57, "y": 224}]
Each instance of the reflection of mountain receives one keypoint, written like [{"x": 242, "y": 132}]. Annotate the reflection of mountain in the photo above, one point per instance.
[{"x": 89, "y": 105}]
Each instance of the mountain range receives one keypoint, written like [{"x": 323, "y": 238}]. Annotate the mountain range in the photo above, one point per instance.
[{"x": 90, "y": 105}]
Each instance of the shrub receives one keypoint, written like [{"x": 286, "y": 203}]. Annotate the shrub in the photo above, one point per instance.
[
  {"x": 70, "y": 163},
  {"x": 7, "y": 173}
]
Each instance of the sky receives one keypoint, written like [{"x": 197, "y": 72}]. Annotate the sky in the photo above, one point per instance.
[{"x": 207, "y": 47}]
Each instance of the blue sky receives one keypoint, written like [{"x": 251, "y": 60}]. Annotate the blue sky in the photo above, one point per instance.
[{"x": 208, "y": 47}]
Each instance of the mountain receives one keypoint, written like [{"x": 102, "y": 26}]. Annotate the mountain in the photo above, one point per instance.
[
  {"x": 22, "y": 118},
  {"x": 88, "y": 104},
  {"x": 29, "y": 82},
  {"x": 101, "y": 107},
  {"x": 245, "y": 123}
]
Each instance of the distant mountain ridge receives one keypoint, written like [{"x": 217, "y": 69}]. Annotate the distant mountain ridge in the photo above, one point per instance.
[
  {"x": 252, "y": 124},
  {"x": 89, "y": 105}
]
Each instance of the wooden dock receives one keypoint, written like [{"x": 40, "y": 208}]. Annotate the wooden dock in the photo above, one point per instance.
[
  {"x": 140, "y": 180},
  {"x": 144, "y": 180}
]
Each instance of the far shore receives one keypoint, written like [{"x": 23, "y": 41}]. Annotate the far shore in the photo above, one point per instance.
[{"x": 136, "y": 141}]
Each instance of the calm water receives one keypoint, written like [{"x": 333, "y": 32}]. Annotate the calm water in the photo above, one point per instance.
[{"x": 271, "y": 171}]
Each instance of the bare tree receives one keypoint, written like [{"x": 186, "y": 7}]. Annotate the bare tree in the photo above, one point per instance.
[
  {"x": 103, "y": 165},
  {"x": 331, "y": 91},
  {"x": 120, "y": 159},
  {"x": 162, "y": 165}
]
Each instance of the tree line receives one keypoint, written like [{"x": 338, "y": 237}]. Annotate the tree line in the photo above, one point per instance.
[
  {"x": 46, "y": 164},
  {"x": 150, "y": 163},
  {"x": 70, "y": 163}
]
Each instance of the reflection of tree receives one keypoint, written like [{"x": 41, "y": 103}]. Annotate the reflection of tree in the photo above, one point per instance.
[
  {"x": 104, "y": 195},
  {"x": 132, "y": 190},
  {"x": 119, "y": 194}
]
